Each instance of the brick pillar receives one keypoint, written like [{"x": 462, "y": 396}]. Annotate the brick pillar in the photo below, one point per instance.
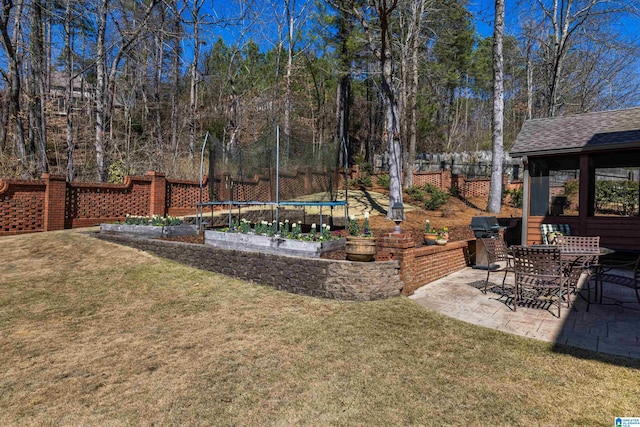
[
  {"x": 447, "y": 181},
  {"x": 54, "y": 201},
  {"x": 158, "y": 193},
  {"x": 399, "y": 247}
]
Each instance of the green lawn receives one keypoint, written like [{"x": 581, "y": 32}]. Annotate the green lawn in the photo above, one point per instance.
[{"x": 92, "y": 333}]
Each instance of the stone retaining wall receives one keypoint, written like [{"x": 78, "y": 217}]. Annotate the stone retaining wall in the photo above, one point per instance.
[{"x": 343, "y": 280}]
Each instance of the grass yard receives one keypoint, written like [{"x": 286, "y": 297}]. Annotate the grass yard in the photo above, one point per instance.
[{"x": 92, "y": 333}]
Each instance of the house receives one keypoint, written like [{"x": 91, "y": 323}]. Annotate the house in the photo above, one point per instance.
[
  {"x": 81, "y": 94},
  {"x": 583, "y": 170}
]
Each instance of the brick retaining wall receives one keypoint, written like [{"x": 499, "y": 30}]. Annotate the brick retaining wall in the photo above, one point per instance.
[
  {"x": 420, "y": 266},
  {"x": 343, "y": 280}
]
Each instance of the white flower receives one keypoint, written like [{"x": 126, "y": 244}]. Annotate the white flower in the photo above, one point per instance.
[
  {"x": 352, "y": 217},
  {"x": 264, "y": 222},
  {"x": 313, "y": 225},
  {"x": 366, "y": 214},
  {"x": 287, "y": 221},
  {"x": 294, "y": 225},
  {"x": 281, "y": 223},
  {"x": 325, "y": 225}
]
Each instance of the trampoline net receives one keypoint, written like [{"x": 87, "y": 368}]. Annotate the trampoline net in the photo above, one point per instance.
[{"x": 247, "y": 172}]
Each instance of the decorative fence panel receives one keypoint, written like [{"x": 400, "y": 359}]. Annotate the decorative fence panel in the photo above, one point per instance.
[
  {"x": 21, "y": 206},
  {"x": 54, "y": 204}
]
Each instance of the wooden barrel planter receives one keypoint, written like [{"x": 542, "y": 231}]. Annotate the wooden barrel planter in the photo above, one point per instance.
[{"x": 360, "y": 248}]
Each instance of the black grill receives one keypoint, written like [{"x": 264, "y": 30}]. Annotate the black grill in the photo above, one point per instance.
[{"x": 485, "y": 226}]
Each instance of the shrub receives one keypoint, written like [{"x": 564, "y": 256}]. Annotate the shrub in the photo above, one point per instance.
[
  {"x": 383, "y": 181},
  {"x": 571, "y": 188},
  {"x": 437, "y": 197},
  {"x": 365, "y": 180},
  {"x": 417, "y": 192},
  {"x": 616, "y": 196},
  {"x": 515, "y": 197}
]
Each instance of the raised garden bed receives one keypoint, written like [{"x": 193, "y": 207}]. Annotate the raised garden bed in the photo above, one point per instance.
[
  {"x": 150, "y": 231},
  {"x": 274, "y": 245}
]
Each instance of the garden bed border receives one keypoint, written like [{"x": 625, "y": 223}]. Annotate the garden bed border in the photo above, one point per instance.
[{"x": 341, "y": 280}]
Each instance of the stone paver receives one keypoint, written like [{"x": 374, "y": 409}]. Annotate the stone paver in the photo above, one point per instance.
[{"x": 607, "y": 328}]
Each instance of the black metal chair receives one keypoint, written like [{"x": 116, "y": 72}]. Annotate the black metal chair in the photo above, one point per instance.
[
  {"x": 498, "y": 258},
  {"x": 539, "y": 272},
  {"x": 613, "y": 272}
]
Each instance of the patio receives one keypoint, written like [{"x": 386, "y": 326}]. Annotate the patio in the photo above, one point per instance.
[{"x": 607, "y": 328}]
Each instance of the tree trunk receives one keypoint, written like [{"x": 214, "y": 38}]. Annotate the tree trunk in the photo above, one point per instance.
[
  {"x": 14, "y": 80},
  {"x": 495, "y": 191},
  {"x": 343, "y": 92},
  {"x": 175, "y": 91},
  {"x": 412, "y": 108},
  {"x": 392, "y": 124},
  {"x": 101, "y": 92},
  {"x": 38, "y": 96},
  {"x": 193, "y": 87},
  {"x": 287, "y": 80},
  {"x": 159, "y": 56},
  {"x": 69, "y": 90}
]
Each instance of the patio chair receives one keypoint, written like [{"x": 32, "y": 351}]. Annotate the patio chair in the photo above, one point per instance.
[
  {"x": 538, "y": 273},
  {"x": 580, "y": 254},
  {"x": 579, "y": 244},
  {"x": 614, "y": 272},
  {"x": 498, "y": 258}
]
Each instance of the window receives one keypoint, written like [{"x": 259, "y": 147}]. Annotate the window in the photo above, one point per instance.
[
  {"x": 554, "y": 186},
  {"x": 617, "y": 191}
]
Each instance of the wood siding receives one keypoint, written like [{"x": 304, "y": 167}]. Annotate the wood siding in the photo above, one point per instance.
[{"x": 621, "y": 233}]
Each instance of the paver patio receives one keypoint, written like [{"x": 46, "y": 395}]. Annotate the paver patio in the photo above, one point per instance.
[{"x": 611, "y": 328}]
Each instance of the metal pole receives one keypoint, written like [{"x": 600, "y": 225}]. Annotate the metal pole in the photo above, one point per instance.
[
  {"x": 204, "y": 144},
  {"x": 346, "y": 181},
  {"x": 277, "y": 175},
  {"x": 230, "y": 205}
]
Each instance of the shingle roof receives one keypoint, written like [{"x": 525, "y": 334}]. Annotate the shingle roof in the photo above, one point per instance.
[{"x": 580, "y": 132}]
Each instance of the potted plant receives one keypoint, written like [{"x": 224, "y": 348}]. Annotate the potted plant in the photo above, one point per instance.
[
  {"x": 361, "y": 245},
  {"x": 443, "y": 236},
  {"x": 430, "y": 234}
]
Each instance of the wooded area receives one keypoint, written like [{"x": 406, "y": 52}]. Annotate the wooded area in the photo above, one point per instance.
[{"x": 99, "y": 89}]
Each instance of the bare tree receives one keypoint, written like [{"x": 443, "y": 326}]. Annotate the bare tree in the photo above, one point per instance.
[
  {"x": 412, "y": 16},
  {"x": 495, "y": 190},
  {"x": 382, "y": 48},
  {"x": 563, "y": 23},
  {"x": 195, "y": 11},
  {"x": 38, "y": 93},
  {"x": 343, "y": 88},
  {"x": 105, "y": 82},
  {"x": 68, "y": 59},
  {"x": 175, "y": 75},
  {"x": 13, "y": 77}
]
